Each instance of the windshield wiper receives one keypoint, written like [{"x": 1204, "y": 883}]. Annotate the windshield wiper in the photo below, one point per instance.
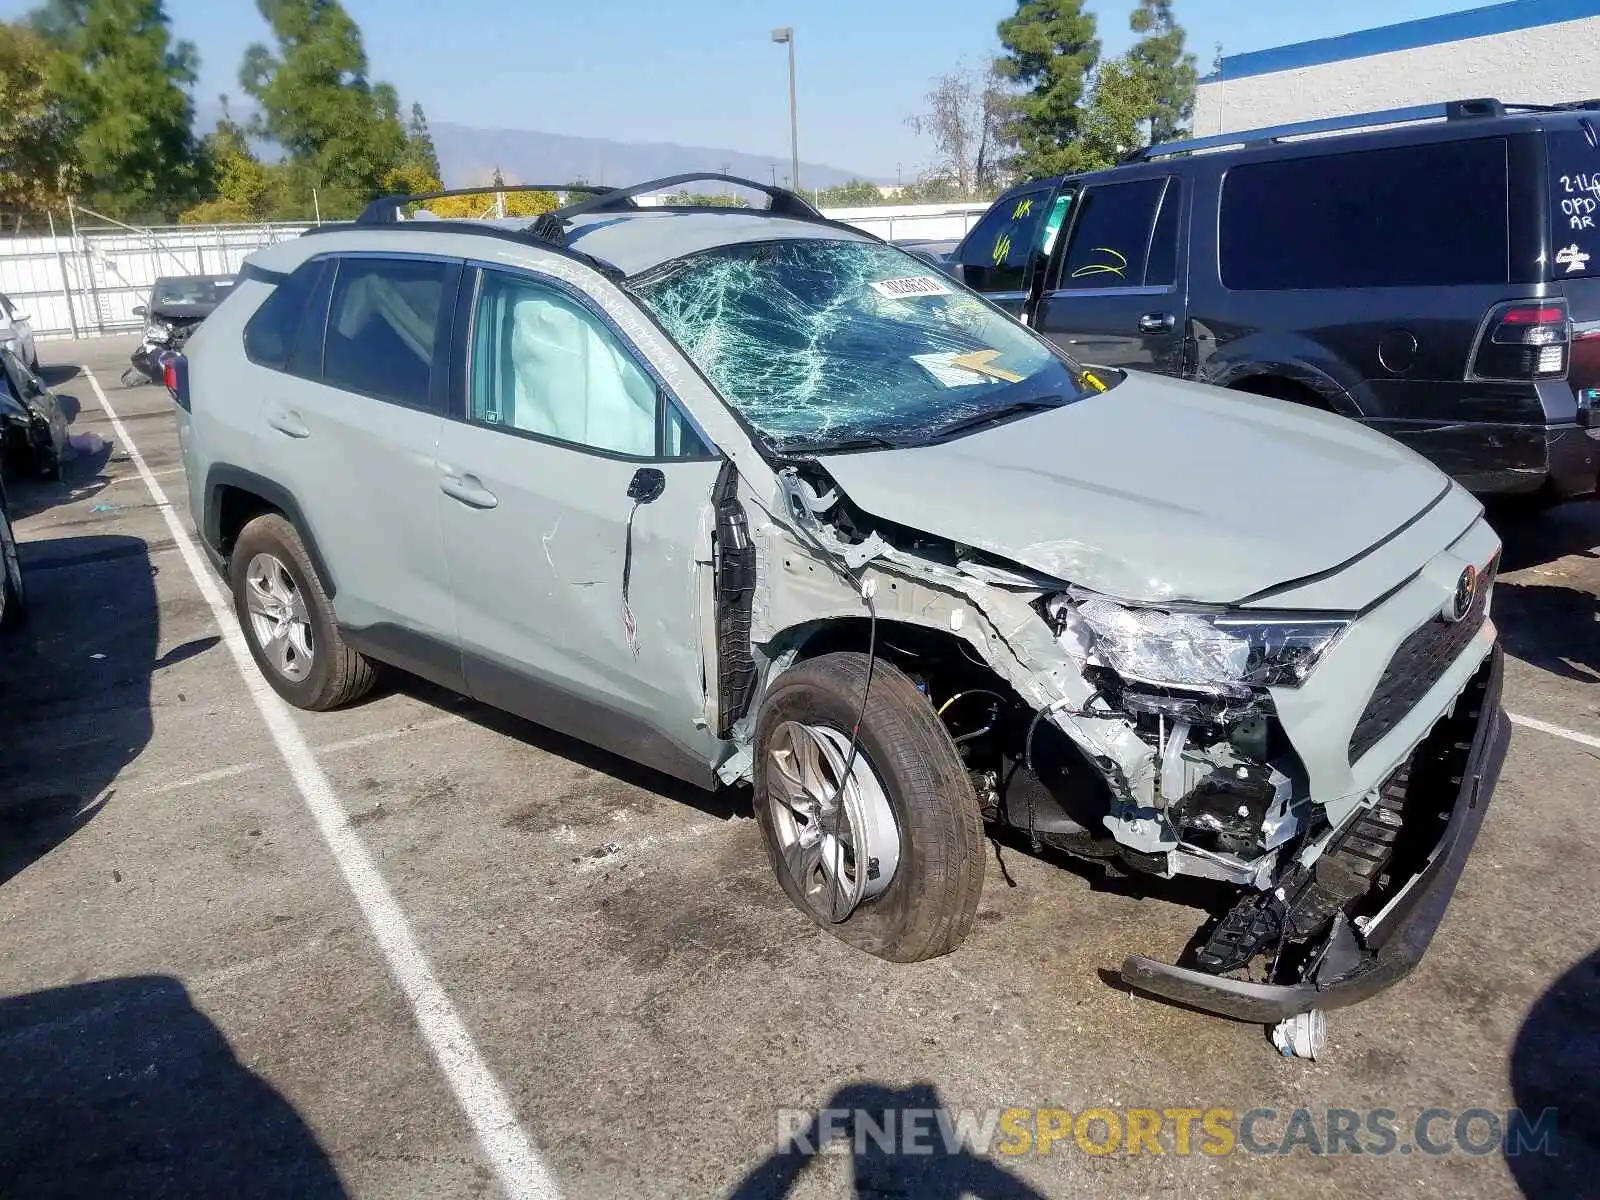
[
  {"x": 865, "y": 442},
  {"x": 996, "y": 415}
]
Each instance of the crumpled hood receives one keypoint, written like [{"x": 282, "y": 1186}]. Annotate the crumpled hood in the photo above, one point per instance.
[{"x": 1157, "y": 490}]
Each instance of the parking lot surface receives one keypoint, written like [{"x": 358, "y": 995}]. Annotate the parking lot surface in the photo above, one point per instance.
[{"x": 193, "y": 1001}]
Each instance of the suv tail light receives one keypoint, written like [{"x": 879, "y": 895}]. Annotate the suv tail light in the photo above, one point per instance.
[
  {"x": 175, "y": 374},
  {"x": 1524, "y": 339}
]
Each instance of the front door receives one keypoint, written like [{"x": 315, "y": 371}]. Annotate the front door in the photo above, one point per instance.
[
  {"x": 1113, "y": 296},
  {"x": 575, "y": 504}
]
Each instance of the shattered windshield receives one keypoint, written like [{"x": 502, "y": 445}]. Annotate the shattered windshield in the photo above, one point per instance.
[{"x": 829, "y": 344}]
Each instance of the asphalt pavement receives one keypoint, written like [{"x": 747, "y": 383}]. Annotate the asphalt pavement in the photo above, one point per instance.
[{"x": 473, "y": 957}]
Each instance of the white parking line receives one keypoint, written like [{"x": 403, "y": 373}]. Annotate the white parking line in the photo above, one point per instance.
[
  {"x": 517, "y": 1164},
  {"x": 1572, "y": 735}
]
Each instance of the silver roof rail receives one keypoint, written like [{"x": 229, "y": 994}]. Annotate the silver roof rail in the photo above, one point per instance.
[{"x": 1454, "y": 110}]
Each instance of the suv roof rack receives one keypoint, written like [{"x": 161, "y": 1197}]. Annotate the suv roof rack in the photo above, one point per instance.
[
  {"x": 552, "y": 227},
  {"x": 1452, "y": 110},
  {"x": 385, "y": 210}
]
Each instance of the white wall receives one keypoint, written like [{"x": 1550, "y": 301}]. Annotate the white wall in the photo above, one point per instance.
[{"x": 1540, "y": 65}]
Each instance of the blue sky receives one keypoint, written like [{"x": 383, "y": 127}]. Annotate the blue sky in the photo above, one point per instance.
[{"x": 705, "y": 72}]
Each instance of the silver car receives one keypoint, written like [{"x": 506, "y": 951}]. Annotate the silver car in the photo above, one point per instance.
[{"x": 751, "y": 496}]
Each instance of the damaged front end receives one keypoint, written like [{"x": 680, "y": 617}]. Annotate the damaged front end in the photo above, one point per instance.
[
  {"x": 1359, "y": 918},
  {"x": 1147, "y": 740}
]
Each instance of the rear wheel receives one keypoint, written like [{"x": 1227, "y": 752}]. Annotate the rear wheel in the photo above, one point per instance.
[
  {"x": 288, "y": 619},
  {"x": 888, "y": 857}
]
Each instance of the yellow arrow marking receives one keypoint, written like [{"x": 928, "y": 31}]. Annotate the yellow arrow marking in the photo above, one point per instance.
[{"x": 981, "y": 362}]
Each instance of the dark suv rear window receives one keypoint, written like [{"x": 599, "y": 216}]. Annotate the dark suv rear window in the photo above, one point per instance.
[
  {"x": 1574, "y": 200},
  {"x": 1419, "y": 215}
]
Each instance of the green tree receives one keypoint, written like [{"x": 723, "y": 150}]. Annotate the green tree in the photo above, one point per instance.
[
  {"x": 124, "y": 82},
  {"x": 246, "y": 188},
  {"x": 1114, "y": 123},
  {"x": 1170, "y": 72},
  {"x": 340, "y": 132},
  {"x": 488, "y": 203},
  {"x": 858, "y": 193},
  {"x": 420, "y": 153},
  {"x": 1050, "y": 51},
  {"x": 38, "y": 164}
]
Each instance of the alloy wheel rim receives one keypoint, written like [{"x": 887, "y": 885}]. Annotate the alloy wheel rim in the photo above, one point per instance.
[
  {"x": 279, "y": 617},
  {"x": 840, "y": 846}
]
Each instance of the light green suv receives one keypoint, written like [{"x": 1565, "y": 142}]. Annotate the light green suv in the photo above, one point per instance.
[{"x": 749, "y": 495}]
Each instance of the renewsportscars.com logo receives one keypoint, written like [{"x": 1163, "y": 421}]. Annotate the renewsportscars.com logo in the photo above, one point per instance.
[{"x": 1216, "y": 1132}]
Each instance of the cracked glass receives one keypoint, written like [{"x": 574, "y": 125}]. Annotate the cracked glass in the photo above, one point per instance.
[{"x": 824, "y": 345}]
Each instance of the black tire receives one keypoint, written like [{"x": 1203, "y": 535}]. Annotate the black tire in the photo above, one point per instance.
[
  {"x": 928, "y": 908},
  {"x": 15, "y": 595},
  {"x": 338, "y": 674}
]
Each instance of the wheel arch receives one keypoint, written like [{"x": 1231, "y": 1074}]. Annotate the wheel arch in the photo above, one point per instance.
[{"x": 234, "y": 497}]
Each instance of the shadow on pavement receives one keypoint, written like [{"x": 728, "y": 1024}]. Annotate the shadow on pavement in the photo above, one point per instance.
[
  {"x": 1554, "y": 628},
  {"x": 882, "y": 1161},
  {"x": 122, "y": 1088},
  {"x": 724, "y": 803},
  {"x": 1533, "y": 538},
  {"x": 74, "y": 689},
  {"x": 1555, "y": 1063}
]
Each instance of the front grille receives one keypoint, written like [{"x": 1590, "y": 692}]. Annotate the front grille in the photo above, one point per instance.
[{"x": 1417, "y": 665}]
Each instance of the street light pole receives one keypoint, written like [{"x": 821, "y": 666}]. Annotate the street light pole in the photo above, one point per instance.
[{"x": 786, "y": 36}]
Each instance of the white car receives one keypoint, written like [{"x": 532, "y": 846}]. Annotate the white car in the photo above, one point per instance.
[{"x": 17, "y": 330}]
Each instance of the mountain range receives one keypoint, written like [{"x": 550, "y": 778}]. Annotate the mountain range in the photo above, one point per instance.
[{"x": 468, "y": 155}]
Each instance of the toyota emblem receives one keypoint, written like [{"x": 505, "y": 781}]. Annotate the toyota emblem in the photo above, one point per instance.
[{"x": 1460, "y": 604}]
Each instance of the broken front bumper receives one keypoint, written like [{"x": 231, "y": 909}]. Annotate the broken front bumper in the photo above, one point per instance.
[{"x": 1394, "y": 943}]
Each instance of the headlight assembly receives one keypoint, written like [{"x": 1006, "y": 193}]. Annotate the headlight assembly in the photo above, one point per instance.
[
  {"x": 1223, "y": 653},
  {"x": 157, "y": 333}
]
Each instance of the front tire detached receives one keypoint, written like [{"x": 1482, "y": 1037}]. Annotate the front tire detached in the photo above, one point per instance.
[
  {"x": 907, "y": 772},
  {"x": 288, "y": 620}
]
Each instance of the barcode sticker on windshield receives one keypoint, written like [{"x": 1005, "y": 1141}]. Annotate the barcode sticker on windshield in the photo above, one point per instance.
[{"x": 910, "y": 286}]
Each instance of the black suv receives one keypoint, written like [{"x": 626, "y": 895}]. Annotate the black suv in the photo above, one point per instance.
[{"x": 1427, "y": 270}]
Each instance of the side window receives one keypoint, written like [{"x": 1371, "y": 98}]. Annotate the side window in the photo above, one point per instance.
[
  {"x": 1420, "y": 215},
  {"x": 1110, "y": 240},
  {"x": 383, "y": 319},
  {"x": 997, "y": 253},
  {"x": 269, "y": 333},
  {"x": 544, "y": 364},
  {"x": 1162, "y": 269}
]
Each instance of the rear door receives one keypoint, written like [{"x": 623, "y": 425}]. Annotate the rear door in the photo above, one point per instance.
[
  {"x": 574, "y": 498},
  {"x": 1112, "y": 296},
  {"x": 1003, "y": 254},
  {"x": 350, "y": 426}
]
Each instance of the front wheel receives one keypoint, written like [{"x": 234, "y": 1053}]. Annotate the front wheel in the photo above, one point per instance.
[
  {"x": 288, "y": 619},
  {"x": 889, "y": 857}
]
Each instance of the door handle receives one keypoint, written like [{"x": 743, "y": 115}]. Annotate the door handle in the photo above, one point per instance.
[
  {"x": 1157, "y": 323},
  {"x": 468, "y": 490},
  {"x": 289, "y": 424}
]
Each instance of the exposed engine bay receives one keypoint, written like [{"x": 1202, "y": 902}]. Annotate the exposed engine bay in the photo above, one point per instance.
[{"x": 1067, "y": 745}]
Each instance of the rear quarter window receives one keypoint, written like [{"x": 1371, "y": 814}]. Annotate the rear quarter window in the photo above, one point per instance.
[
  {"x": 1424, "y": 215},
  {"x": 270, "y": 332},
  {"x": 1574, "y": 201}
]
